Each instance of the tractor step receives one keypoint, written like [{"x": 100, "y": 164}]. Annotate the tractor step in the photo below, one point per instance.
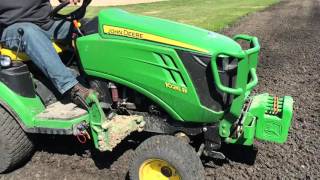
[{"x": 62, "y": 112}]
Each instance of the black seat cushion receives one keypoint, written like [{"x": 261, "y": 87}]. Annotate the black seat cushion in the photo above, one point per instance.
[{"x": 89, "y": 26}]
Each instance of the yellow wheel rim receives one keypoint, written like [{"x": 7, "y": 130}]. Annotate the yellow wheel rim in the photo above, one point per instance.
[{"x": 156, "y": 169}]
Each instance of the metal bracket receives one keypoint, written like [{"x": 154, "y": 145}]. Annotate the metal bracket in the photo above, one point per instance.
[{"x": 108, "y": 133}]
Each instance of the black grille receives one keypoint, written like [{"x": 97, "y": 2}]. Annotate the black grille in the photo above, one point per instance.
[
  {"x": 199, "y": 69},
  {"x": 228, "y": 68}
]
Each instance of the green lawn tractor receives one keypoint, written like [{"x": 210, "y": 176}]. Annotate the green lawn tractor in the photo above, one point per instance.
[{"x": 186, "y": 87}]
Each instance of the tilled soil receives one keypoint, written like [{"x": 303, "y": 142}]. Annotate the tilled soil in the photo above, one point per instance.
[{"x": 289, "y": 34}]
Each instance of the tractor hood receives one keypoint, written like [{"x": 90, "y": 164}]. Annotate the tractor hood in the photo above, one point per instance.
[{"x": 117, "y": 22}]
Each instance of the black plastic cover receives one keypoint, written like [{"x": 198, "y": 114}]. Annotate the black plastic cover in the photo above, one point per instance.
[
  {"x": 200, "y": 71},
  {"x": 89, "y": 26},
  {"x": 202, "y": 78},
  {"x": 18, "y": 79}
]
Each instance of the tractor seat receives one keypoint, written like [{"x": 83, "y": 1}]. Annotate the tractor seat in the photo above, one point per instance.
[{"x": 89, "y": 26}]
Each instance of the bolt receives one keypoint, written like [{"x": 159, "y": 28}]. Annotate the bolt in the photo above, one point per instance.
[
  {"x": 224, "y": 132},
  {"x": 224, "y": 125},
  {"x": 166, "y": 171},
  {"x": 205, "y": 129}
]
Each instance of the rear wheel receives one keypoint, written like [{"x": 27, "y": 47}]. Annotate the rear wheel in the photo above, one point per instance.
[
  {"x": 165, "y": 157},
  {"x": 15, "y": 146}
]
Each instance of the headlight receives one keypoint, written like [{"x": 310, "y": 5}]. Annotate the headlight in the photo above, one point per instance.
[{"x": 5, "y": 61}]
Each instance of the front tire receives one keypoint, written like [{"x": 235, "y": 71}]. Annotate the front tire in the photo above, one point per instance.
[
  {"x": 15, "y": 146},
  {"x": 166, "y": 157}
]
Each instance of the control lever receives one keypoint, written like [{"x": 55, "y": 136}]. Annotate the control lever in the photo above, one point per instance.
[{"x": 21, "y": 33}]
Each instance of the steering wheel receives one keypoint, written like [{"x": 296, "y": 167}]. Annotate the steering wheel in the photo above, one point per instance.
[{"x": 75, "y": 15}]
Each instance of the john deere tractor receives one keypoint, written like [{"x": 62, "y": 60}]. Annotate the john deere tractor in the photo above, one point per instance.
[{"x": 188, "y": 88}]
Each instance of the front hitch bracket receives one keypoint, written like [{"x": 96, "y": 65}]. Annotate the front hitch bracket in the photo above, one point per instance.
[{"x": 107, "y": 133}]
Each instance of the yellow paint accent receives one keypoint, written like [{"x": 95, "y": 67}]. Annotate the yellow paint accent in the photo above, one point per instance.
[
  {"x": 150, "y": 37},
  {"x": 58, "y": 48},
  {"x": 12, "y": 54},
  {"x": 22, "y": 56},
  {"x": 176, "y": 88},
  {"x": 151, "y": 170}
]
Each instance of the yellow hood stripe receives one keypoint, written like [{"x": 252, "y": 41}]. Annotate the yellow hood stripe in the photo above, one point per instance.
[{"x": 150, "y": 37}]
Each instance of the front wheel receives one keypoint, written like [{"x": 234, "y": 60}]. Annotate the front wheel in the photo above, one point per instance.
[{"x": 166, "y": 157}]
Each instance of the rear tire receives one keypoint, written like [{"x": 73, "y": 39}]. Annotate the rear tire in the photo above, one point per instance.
[
  {"x": 15, "y": 146},
  {"x": 166, "y": 157}
]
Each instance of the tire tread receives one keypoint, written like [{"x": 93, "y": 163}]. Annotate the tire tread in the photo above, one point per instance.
[
  {"x": 18, "y": 146},
  {"x": 170, "y": 149}
]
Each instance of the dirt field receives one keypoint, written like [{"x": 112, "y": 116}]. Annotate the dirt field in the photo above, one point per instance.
[{"x": 289, "y": 34}]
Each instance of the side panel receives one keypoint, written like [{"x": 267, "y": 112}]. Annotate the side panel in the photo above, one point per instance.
[
  {"x": 153, "y": 70},
  {"x": 22, "y": 107}
]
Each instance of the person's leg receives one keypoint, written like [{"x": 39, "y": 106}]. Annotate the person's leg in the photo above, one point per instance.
[
  {"x": 37, "y": 45},
  {"x": 61, "y": 30}
]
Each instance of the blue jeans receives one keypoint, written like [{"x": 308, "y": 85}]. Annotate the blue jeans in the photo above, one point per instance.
[{"x": 37, "y": 44}]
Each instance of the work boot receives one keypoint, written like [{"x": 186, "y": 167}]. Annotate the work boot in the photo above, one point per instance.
[{"x": 79, "y": 94}]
